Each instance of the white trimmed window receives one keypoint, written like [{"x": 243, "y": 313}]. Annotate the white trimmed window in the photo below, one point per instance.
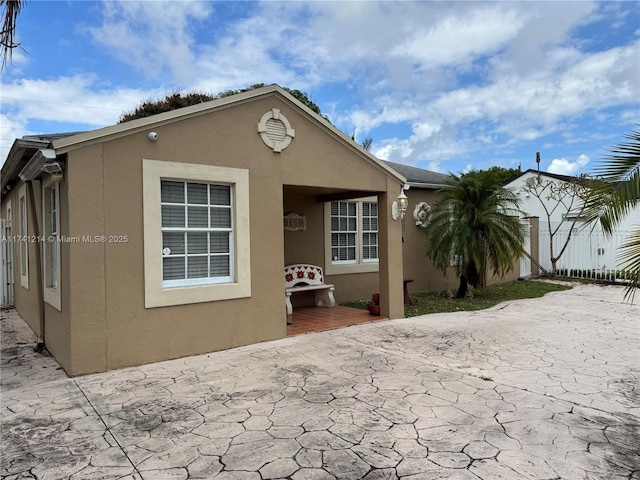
[
  {"x": 344, "y": 232},
  {"x": 369, "y": 232},
  {"x": 352, "y": 236},
  {"x": 23, "y": 232},
  {"x": 196, "y": 233},
  {"x": 51, "y": 210}
]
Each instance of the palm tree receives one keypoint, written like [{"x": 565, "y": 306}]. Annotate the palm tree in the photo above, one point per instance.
[
  {"x": 11, "y": 10},
  {"x": 615, "y": 198},
  {"x": 473, "y": 228}
]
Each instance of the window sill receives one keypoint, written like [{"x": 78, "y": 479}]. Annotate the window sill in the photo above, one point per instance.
[{"x": 349, "y": 268}]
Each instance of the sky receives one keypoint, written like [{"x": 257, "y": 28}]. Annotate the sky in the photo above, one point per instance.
[{"x": 445, "y": 86}]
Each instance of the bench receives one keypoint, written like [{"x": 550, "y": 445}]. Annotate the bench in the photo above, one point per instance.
[{"x": 304, "y": 278}]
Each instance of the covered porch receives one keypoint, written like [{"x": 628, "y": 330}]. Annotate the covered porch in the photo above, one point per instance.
[{"x": 367, "y": 259}]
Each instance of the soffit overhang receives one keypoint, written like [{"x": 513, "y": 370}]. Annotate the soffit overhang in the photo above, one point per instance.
[{"x": 22, "y": 151}]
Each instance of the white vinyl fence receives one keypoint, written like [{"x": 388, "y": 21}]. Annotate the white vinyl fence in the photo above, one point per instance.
[{"x": 590, "y": 254}]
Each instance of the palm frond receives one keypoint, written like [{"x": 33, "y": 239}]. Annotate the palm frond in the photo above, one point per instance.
[
  {"x": 11, "y": 10},
  {"x": 618, "y": 189}
]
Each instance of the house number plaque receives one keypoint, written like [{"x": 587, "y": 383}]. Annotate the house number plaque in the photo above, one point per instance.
[{"x": 294, "y": 222}]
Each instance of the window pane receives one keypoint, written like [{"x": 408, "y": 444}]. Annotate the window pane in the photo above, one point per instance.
[
  {"x": 374, "y": 209},
  {"x": 196, "y": 243},
  {"x": 220, "y": 266},
  {"x": 174, "y": 241},
  {"x": 220, "y": 194},
  {"x": 374, "y": 224},
  {"x": 173, "y": 268},
  {"x": 172, "y": 216},
  {"x": 334, "y": 208},
  {"x": 171, "y": 192},
  {"x": 197, "y": 193},
  {"x": 352, "y": 208},
  {"x": 197, "y": 267},
  {"x": 219, "y": 242},
  {"x": 220, "y": 217},
  {"x": 198, "y": 217}
]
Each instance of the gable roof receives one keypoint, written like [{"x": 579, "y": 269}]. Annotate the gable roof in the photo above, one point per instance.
[
  {"x": 417, "y": 177},
  {"x": 63, "y": 143}
]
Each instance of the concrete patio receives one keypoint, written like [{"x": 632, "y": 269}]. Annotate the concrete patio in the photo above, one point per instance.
[{"x": 533, "y": 389}]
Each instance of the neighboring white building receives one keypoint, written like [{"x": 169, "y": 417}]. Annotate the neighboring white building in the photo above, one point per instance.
[{"x": 589, "y": 248}]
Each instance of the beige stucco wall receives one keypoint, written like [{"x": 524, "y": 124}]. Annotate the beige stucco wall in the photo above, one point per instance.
[
  {"x": 56, "y": 331},
  {"x": 111, "y": 328},
  {"x": 25, "y": 299},
  {"x": 417, "y": 266}
]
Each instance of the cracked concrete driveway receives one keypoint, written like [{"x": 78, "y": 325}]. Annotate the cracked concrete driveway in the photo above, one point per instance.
[{"x": 533, "y": 389}]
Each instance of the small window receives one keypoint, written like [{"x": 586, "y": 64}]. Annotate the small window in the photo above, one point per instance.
[
  {"x": 51, "y": 236},
  {"x": 51, "y": 250},
  {"x": 23, "y": 232}
]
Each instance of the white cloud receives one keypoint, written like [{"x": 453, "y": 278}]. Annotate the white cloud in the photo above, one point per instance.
[
  {"x": 80, "y": 101},
  {"x": 461, "y": 36},
  {"x": 77, "y": 99},
  {"x": 154, "y": 37},
  {"x": 11, "y": 128},
  {"x": 563, "y": 166},
  {"x": 462, "y": 77}
]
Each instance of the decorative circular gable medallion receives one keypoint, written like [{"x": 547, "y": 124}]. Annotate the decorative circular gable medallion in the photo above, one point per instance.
[{"x": 275, "y": 130}]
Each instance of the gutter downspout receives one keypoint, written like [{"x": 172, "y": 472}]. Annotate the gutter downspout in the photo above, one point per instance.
[{"x": 40, "y": 345}]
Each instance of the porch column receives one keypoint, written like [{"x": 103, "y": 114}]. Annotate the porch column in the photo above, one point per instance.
[{"x": 390, "y": 255}]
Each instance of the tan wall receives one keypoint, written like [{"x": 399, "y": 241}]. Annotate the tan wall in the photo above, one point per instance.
[
  {"x": 111, "y": 327},
  {"x": 56, "y": 325},
  {"x": 25, "y": 299},
  {"x": 417, "y": 266},
  {"x": 58, "y": 322}
]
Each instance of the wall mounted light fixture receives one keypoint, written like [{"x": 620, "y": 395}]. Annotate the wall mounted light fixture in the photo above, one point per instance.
[{"x": 399, "y": 206}]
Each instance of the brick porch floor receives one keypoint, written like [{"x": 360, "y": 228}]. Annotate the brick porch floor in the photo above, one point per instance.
[{"x": 317, "y": 319}]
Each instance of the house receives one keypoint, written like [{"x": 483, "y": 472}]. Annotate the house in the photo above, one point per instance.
[
  {"x": 588, "y": 248},
  {"x": 163, "y": 237}
]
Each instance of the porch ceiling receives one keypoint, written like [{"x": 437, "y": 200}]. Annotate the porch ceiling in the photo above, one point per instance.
[{"x": 327, "y": 194}]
